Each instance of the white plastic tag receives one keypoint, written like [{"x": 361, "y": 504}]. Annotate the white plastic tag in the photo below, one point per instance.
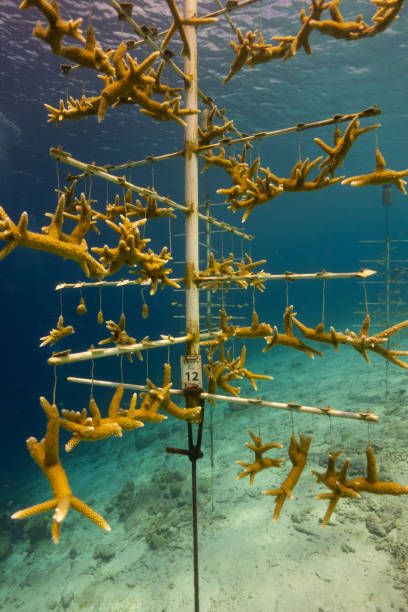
[{"x": 191, "y": 373}]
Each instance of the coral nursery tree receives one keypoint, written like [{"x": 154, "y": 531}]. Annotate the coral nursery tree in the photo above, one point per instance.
[{"x": 126, "y": 80}]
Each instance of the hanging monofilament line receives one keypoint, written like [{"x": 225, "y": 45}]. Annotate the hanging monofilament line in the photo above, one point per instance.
[
  {"x": 209, "y": 326},
  {"x": 323, "y": 299},
  {"x": 212, "y": 454},
  {"x": 387, "y": 201},
  {"x": 387, "y": 267}
]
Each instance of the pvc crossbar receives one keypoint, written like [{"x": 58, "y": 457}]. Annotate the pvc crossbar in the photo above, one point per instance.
[
  {"x": 337, "y": 118},
  {"x": 363, "y": 273},
  {"x": 370, "y": 112},
  {"x": 97, "y": 353},
  {"x": 290, "y": 406},
  {"x": 101, "y": 172}
]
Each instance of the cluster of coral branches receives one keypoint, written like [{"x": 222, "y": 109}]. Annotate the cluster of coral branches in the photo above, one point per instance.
[
  {"x": 334, "y": 480},
  {"x": 92, "y": 426},
  {"x": 125, "y": 81},
  {"x": 361, "y": 342},
  {"x": 228, "y": 271},
  {"x": 254, "y": 186},
  {"x": 130, "y": 250},
  {"x": 251, "y": 50}
]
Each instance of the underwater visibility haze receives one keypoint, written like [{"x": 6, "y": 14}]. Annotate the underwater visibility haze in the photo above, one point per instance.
[{"x": 117, "y": 532}]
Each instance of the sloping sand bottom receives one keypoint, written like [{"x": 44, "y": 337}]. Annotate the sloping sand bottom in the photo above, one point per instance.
[{"x": 247, "y": 561}]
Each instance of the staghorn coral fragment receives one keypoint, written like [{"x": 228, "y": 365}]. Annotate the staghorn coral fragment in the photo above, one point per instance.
[
  {"x": 260, "y": 463},
  {"x": 57, "y": 333},
  {"x": 347, "y": 30},
  {"x": 301, "y": 40},
  {"x": 112, "y": 211},
  {"x": 151, "y": 210},
  {"x": 158, "y": 87},
  {"x": 256, "y": 329},
  {"x": 240, "y": 174},
  {"x": 70, "y": 202},
  {"x": 380, "y": 176},
  {"x": 226, "y": 332},
  {"x": 57, "y": 27},
  {"x": 318, "y": 334},
  {"x": 237, "y": 366},
  {"x": 129, "y": 75},
  {"x": 119, "y": 336},
  {"x": 75, "y": 109},
  {"x": 45, "y": 454},
  {"x": 220, "y": 161},
  {"x": 168, "y": 110},
  {"x": 190, "y": 415},
  {"x": 298, "y": 175},
  {"x": 92, "y": 56},
  {"x": 341, "y": 487},
  {"x": 261, "y": 52},
  {"x": 130, "y": 252},
  {"x": 258, "y": 192},
  {"x": 216, "y": 268},
  {"x": 138, "y": 210},
  {"x": 149, "y": 408},
  {"x": 337, "y": 27},
  {"x": 221, "y": 273},
  {"x": 288, "y": 338},
  {"x": 97, "y": 427},
  {"x": 387, "y": 12},
  {"x": 362, "y": 342},
  {"x": 130, "y": 246},
  {"x": 83, "y": 221},
  {"x": 241, "y": 49},
  {"x": 153, "y": 269},
  {"x": 212, "y": 131},
  {"x": 220, "y": 373},
  {"x": 298, "y": 455},
  {"x": 56, "y": 242},
  {"x": 342, "y": 144}
]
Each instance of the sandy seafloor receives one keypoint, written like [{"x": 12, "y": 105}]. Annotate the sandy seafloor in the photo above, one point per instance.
[
  {"x": 359, "y": 561},
  {"x": 247, "y": 562}
]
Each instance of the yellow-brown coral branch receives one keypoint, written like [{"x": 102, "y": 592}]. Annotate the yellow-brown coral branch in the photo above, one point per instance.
[
  {"x": 19, "y": 235},
  {"x": 260, "y": 463},
  {"x": 45, "y": 454},
  {"x": 298, "y": 455},
  {"x": 341, "y": 487}
]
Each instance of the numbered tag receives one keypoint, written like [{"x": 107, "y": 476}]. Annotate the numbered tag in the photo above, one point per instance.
[{"x": 191, "y": 371}]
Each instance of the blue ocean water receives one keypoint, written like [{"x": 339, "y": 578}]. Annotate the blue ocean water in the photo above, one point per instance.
[{"x": 304, "y": 232}]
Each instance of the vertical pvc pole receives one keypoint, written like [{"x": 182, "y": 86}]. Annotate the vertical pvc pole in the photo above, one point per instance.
[
  {"x": 192, "y": 253},
  {"x": 191, "y": 183}
]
